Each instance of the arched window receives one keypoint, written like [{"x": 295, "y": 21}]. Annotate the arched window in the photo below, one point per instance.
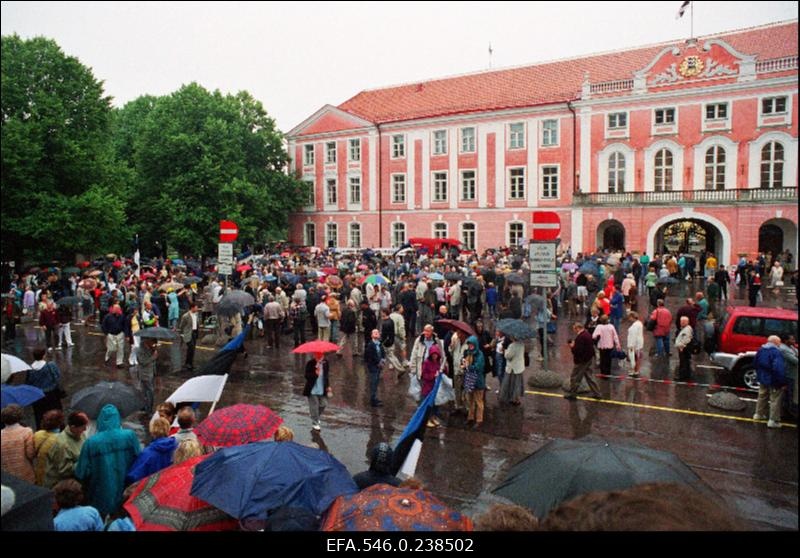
[
  {"x": 663, "y": 170},
  {"x": 715, "y": 168},
  {"x": 772, "y": 165},
  {"x": 468, "y": 235},
  {"x": 398, "y": 234},
  {"x": 616, "y": 173},
  {"x": 355, "y": 235}
]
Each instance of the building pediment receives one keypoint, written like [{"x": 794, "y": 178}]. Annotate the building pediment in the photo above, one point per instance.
[
  {"x": 329, "y": 119},
  {"x": 693, "y": 62}
]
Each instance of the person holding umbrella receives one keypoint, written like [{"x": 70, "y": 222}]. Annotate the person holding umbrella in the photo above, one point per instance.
[
  {"x": 47, "y": 377},
  {"x": 317, "y": 387},
  {"x": 147, "y": 355}
]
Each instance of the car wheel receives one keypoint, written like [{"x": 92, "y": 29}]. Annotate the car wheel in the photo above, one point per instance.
[{"x": 749, "y": 377}]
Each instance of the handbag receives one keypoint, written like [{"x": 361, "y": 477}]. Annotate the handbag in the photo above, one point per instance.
[
  {"x": 551, "y": 327},
  {"x": 616, "y": 353},
  {"x": 446, "y": 392},
  {"x": 414, "y": 388},
  {"x": 651, "y": 324}
]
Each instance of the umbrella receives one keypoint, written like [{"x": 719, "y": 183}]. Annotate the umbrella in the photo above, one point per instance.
[
  {"x": 223, "y": 359},
  {"x": 15, "y": 364},
  {"x": 156, "y": 333},
  {"x": 148, "y": 275},
  {"x": 71, "y": 269},
  {"x": 162, "y": 502},
  {"x": 516, "y": 328},
  {"x": 668, "y": 281},
  {"x": 20, "y": 395},
  {"x": 563, "y": 469},
  {"x": 117, "y": 264},
  {"x": 244, "y": 267},
  {"x": 290, "y": 278},
  {"x": 589, "y": 268},
  {"x": 335, "y": 282},
  {"x": 190, "y": 280},
  {"x": 270, "y": 278},
  {"x": 237, "y": 425},
  {"x": 32, "y": 508},
  {"x": 316, "y": 347},
  {"x": 84, "y": 264},
  {"x": 233, "y": 303},
  {"x": 91, "y": 399},
  {"x": 330, "y": 270},
  {"x": 436, "y": 276},
  {"x": 382, "y": 507},
  {"x": 68, "y": 301},
  {"x": 177, "y": 261},
  {"x": 111, "y": 256},
  {"x": 457, "y": 325},
  {"x": 248, "y": 481},
  {"x": 170, "y": 285},
  {"x": 363, "y": 267},
  {"x": 454, "y": 276},
  {"x": 517, "y": 278},
  {"x": 88, "y": 284},
  {"x": 95, "y": 273},
  {"x": 375, "y": 280},
  {"x": 569, "y": 266}
]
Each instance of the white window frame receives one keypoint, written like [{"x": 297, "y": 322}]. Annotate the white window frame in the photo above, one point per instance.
[
  {"x": 395, "y": 226},
  {"x": 461, "y": 229},
  {"x": 313, "y": 237},
  {"x": 726, "y": 121},
  {"x": 395, "y": 177},
  {"x": 630, "y": 163},
  {"x": 328, "y": 203},
  {"x": 664, "y": 168},
  {"x": 435, "y": 143},
  {"x": 772, "y": 162},
  {"x": 398, "y": 147},
  {"x": 434, "y": 198},
  {"x": 461, "y": 137},
  {"x": 790, "y": 157},
  {"x": 351, "y": 227},
  {"x": 350, "y": 201},
  {"x": 329, "y": 152},
  {"x": 434, "y": 232},
  {"x": 774, "y": 101},
  {"x": 668, "y": 128},
  {"x": 308, "y": 161},
  {"x": 474, "y": 185},
  {"x": 650, "y": 163},
  {"x": 311, "y": 202},
  {"x": 519, "y": 136},
  {"x": 510, "y": 184},
  {"x": 614, "y": 133},
  {"x": 731, "y": 161},
  {"x": 354, "y": 150},
  {"x": 509, "y": 241},
  {"x": 542, "y": 169},
  {"x": 776, "y": 118},
  {"x": 715, "y": 165},
  {"x": 335, "y": 227},
  {"x": 618, "y": 158},
  {"x": 545, "y": 135},
  {"x": 664, "y": 111}
]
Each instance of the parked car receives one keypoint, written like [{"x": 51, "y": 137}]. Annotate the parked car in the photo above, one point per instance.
[{"x": 741, "y": 332}]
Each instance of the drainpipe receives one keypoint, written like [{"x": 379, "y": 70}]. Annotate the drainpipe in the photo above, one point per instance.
[
  {"x": 380, "y": 190},
  {"x": 576, "y": 188}
]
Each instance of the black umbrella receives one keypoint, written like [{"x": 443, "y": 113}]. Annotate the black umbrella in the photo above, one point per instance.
[
  {"x": 32, "y": 509},
  {"x": 234, "y": 302},
  {"x": 69, "y": 301},
  {"x": 454, "y": 276},
  {"x": 516, "y": 328},
  {"x": 69, "y": 270},
  {"x": 190, "y": 281},
  {"x": 92, "y": 399},
  {"x": 517, "y": 278},
  {"x": 564, "y": 469},
  {"x": 156, "y": 333}
]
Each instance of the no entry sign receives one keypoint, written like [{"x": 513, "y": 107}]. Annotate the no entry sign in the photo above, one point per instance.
[
  {"x": 546, "y": 225},
  {"x": 228, "y": 231}
]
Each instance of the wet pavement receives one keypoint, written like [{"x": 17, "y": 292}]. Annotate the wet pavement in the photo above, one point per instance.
[{"x": 752, "y": 468}]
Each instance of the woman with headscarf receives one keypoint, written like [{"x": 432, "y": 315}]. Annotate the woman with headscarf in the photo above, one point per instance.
[
  {"x": 474, "y": 366},
  {"x": 433, "y": 365}
]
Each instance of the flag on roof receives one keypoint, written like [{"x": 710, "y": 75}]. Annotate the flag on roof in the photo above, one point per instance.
[{"x": 682, "y": 9}]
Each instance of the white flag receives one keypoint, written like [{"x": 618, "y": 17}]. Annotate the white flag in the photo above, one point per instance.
[
  {"x": 136, "y": 260},
  {"x": 682, "y": 9}
]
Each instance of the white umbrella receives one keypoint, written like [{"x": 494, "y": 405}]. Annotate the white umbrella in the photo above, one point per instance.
[{"x": 12, "y": 365}]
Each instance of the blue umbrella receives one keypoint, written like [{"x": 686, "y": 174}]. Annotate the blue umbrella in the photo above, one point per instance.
[
  {"x": 588, "y": 268},
  {"x": 178, "y": 261},
  {"x": 270, "y": 278},
  {"x": 20, "y": 395},
  {"x": 516, "y": 329},
  {"x": 251, "y": 480},
  {"x": 436, "y": 276},
  {"x": 290, "y": 278}
]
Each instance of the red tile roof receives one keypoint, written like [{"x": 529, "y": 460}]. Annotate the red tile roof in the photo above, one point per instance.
[{"x": 549, "y": 82}]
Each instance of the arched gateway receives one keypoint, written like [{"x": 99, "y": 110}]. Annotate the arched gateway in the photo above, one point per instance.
[{"x": 690, "y": 233}]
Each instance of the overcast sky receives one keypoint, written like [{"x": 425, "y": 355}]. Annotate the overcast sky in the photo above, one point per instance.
[{"x": 297, "y": 57}]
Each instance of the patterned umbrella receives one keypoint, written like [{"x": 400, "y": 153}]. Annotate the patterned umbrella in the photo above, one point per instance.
[
  {"x": 334, "y": 281},
  {"x": 161, "y": 502},
  {"x": 381, "y": 507},
  {"x": 375, "y": 280},
  {"x": 237, "y": 425}
]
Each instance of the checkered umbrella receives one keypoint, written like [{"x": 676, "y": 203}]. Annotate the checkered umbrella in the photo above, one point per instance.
[{"x": 237, "y": 425}]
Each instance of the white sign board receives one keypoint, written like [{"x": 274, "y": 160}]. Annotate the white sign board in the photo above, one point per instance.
[
  {"x": 225, "y": 253},
  {"x": 542, "y": 256},
  {"x": 225, "y": 269},
  {"x": 544, "y": 279}
]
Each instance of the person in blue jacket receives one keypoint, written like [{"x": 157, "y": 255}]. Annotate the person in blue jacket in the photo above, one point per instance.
[
  {"x": 771, "y": 372},
  {"x": 156, "y": 456}
]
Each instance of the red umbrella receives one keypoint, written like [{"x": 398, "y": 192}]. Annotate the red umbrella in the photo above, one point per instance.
[
  {"x": 237, "y": 425},
  {"x": 329, "y": 270},
  {"x": 334, "y": 281},
  {"x": 381, "y": 507},
  {"x": 161, "y": 502},
  {"x": 117, "y": 264},
  {"x": 84, "y": 265},
  {"x": 244, "y": 267},
  {"x": 457, "y": 325},
  {"x": 316, "y": 347}
]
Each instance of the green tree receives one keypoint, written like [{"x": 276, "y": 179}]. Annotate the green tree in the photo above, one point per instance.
[
  {"x": 60, "y": 184},
  {"x": 201, "y": 157}
]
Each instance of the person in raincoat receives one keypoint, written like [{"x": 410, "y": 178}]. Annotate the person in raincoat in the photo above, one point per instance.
[
  {"x": 174, "y": 308},
  {"x": 156, "y": 456},
  {"x": 104, "y": 460},
  {"x": 474, "y": 366}
]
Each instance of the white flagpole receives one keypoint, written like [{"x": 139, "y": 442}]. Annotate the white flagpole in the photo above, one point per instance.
[{"x": 691, "y": 17}]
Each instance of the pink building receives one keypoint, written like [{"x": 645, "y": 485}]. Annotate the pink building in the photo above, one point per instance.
[{"x": 687, "y": 145}]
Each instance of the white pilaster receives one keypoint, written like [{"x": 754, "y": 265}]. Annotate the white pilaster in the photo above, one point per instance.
[
  {"x": 577, "y": 230},
  {"x": 480, "y": 173},
  {"x": 532, "y": 172},
  {"x": 586, "y": 149},
  {"x": 452, "y": 172},
  {"x": 373, "y": 171},
  {"x": 499, "y": 163}
]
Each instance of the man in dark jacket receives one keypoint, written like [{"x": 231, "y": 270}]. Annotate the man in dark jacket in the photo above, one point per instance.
[
  {"x": 369, "y": 320},
  {"x": 583, "y": 357},
  {"x": 380, "y": 467},
  {"x": 317, "y": 387},
  {"x": 374, "y": 358},
  {"x": 347, "y": 325},
  {"x": 771, "y": 371},
  {"x": 113, "y": 326}
]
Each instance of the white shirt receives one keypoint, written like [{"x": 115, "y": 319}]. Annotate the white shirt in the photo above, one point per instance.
[
  {"x": 636, "y": 336},
  {"x": 194, "y": 320}
]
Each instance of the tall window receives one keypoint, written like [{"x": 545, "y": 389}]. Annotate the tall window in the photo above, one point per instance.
[
  {"x": 309, "y": 234},
  {"x": 516, "y": 184},
  {"x": 331, "y": 235},
  {"x": 440, "y": 142},
  {"x": 355, "y": 235},
  {"x": 516, "y": 232},
  {"x": 773, "y": 105},
  {"x": 663, "y": 167},
  {"x": 311, "y": 197},
  {"x": 617, "y": 121},
  {"x": 355, "y": 189},
  {"x": 330, "y": 191},
  {"x": 467, "y": 140},
  {"x": 440, "y": 230},
  {"x": 355, "y": 149},
  {"x": 616, "y": 173},
  {"x": 549, "y": 182},
  {"x": 439, "y": 186},
  {"x": 665, "y": 116},
  {"x": 717, "y": 111},
  {"x": 549, "y": 133},
  {"x": 308, "y": 154},
  {"x": 715, "y": 168},
  {"x": 516, "y": 136},
  {"x": 398, "y": 234},
  {"x": 398, "y": 146},
  {"x": 772, "y": 165},
  {"x": 330, "y": 150},
  {"x": 398, "y": 188},
  {"x": 468, "y": 235},
  {"x": 468, "y": 185}
]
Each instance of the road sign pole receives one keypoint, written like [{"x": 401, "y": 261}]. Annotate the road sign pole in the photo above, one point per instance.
[{"x": 544, "y": 275}]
